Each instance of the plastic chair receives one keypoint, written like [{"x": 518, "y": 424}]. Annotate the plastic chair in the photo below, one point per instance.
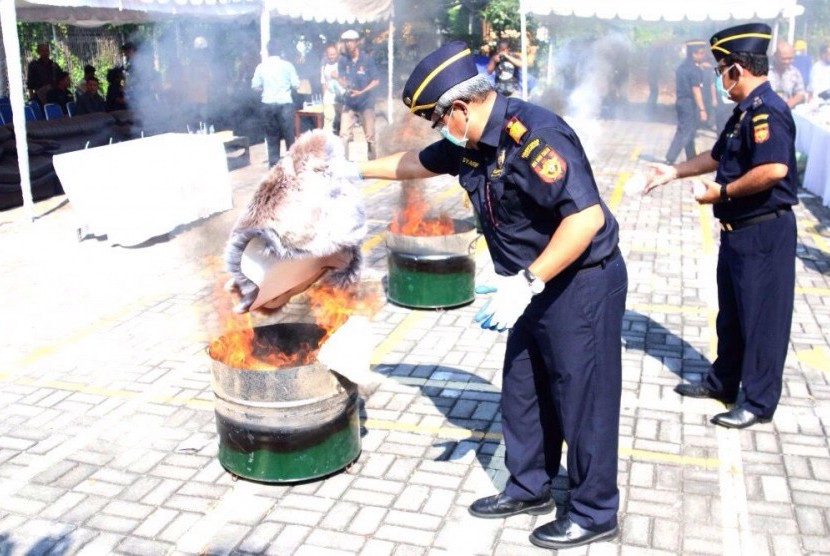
[
  {"x": 37, "y": 111},
  {"x": 30, "y": 113},
  {"x": 6, "y": 112},
  {"x": 53, "y": 111},
  {"x": 70, "y": 108}
]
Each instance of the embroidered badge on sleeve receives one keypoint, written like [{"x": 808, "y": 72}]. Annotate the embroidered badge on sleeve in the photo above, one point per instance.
[
  {"x": 515, "y": 129},
  {"x": 548, "y": 165},
  {"x": 760, "y": 128}
]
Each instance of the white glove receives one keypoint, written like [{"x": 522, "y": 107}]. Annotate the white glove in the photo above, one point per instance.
[
  {"x": 659, "y": 174},
  {"x": 346, "y": 170},
  {"x": 512, "y": 296}
]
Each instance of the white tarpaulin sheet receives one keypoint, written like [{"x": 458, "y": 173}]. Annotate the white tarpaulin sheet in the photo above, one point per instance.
[{"x": 650, "y": 10}]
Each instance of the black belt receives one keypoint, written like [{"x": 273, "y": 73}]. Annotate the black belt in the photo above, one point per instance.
[
  {"x": 744, "y": 222},
  {"x": 604, "y": 261}
]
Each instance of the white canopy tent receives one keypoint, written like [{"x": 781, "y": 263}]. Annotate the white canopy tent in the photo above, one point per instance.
[
  {"x": 649, "y": 10},
  {"x": 100, "y": 12}
]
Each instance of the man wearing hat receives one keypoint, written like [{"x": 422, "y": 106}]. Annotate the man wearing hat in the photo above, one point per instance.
[
  {"x": 752, "y": 195},
  {"x": 358, "y": 75},
  {"x": 560, "y": 291},
  {"x": 691, "y": 108}
]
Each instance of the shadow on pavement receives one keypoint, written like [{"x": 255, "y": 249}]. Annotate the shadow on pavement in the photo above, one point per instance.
[{"x": 643, "y": 333}]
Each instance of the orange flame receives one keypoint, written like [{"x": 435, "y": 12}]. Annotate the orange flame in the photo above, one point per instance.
[
  {"x": 411, "y": 220},
  {"x": 239, "y": 348}
]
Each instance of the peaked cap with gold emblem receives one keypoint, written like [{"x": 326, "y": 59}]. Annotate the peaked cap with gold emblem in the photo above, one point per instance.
[{"x": 437, "y": 73}]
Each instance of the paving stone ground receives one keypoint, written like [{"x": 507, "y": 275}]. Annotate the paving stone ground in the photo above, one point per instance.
[{"x": 108, "y": 440}]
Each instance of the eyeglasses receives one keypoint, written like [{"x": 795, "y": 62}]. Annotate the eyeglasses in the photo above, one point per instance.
[
  {"x": 720, "y": 69},
  {"x": 438, "y": 122}
]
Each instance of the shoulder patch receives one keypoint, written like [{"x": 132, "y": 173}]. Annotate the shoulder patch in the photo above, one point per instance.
[
  {"x": 760, "y": 118},
  {"x": 760, "y": 132},
  {"x": 515, "y": 129},
  {"x": 530, "y": 147},
  {"x": 548, "y": 165}
]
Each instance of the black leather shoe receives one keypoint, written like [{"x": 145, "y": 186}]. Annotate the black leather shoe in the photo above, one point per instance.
[
  {"x": 700, "y": 391},
  {"x": 564, "y": 533},
  {"x": 502, "y": 505},
  {"x": 738, "y": 418}
]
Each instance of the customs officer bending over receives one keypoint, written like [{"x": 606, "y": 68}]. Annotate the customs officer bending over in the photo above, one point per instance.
[
  {"x": 561, "y": 291},
  {"x": 754, "y": 188}
]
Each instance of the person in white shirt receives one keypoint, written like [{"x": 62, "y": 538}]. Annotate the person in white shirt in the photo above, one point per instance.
[
  {"x": 820, "y": 73},
  {"x": 331, "y": 89},
  {"x": 275, "y": 77}
]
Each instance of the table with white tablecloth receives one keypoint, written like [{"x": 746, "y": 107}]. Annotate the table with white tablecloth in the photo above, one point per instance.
[
  {"x": 136, "y": 190},
  {"x": 812, "y": 137}
]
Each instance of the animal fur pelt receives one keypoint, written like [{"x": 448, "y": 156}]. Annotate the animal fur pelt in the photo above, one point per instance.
[{"x": 302, "y": 209}]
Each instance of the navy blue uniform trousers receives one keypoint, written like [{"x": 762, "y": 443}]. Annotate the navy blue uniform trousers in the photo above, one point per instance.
[
  {"x": 562, "y": 381},
  {"x": 756, "y": 282},
  {"x": 684, "y": 135}
]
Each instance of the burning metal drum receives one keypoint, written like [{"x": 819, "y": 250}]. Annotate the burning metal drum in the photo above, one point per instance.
[
  {"x": 289, "y": 423},
  {"x": 432, "y": 272}
]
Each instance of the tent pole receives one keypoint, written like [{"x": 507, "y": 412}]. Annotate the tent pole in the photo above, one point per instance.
[
  {"x": 11, "y": 43},
  {"x": 390, "y": 52},
  {"x": 523, "y": 29}
]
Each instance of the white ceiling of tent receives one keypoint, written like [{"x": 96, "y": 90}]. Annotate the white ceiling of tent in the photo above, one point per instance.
[
  {"x": 99, "y": 12},
  {"x": 651, "y": 10}
]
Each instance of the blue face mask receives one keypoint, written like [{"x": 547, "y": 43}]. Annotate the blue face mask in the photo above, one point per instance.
[{"x": 445, "y": 133}]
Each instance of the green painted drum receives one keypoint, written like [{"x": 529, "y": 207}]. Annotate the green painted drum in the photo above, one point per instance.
[
  {"x": 431, "y": 281},
  {"x": 286, "y": 424}
]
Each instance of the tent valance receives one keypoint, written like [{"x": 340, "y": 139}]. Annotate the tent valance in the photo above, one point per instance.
[{"x": 648, "y": 10}]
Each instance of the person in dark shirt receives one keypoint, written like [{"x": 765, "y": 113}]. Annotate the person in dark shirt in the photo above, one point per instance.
[
  {"x": 41, "y": 73},
  {"x": 116, "y": 99},
  {"x": 561, "y": 286},
  {"x": 691, "y": 108},
  {"x": 754, "y": 188},
  {"x": 60, "y": 93},
  {"x": 91, "y": 101}
]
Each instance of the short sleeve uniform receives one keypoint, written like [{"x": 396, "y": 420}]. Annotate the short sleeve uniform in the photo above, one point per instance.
[
  {"x": 528, "y": 173},
  {"x": 687, "y": 76},
  {"x": 760, "y": 131},
  {"x": 358, "y": 74}
]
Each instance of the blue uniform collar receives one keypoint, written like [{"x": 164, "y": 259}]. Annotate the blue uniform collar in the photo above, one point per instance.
[
  {"x": 495, "y": 123},
  {"x": 756, "y": 92}
]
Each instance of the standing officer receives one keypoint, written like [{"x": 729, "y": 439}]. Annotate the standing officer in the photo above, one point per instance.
[
  {"x": 754, "y": 188},
  {"x": 690, "y": 106},
  {"x": 358, "y": 76},
  {"x": 561, "y": 291}
]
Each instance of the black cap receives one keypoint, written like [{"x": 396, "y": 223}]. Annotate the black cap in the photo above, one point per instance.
[
  {"x": 751, "y": 37},
  {"x": 440, "y": 71},
  {"x": 694, "y": 46}
]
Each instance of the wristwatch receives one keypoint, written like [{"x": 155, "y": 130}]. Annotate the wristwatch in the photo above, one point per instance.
[
  {"x": 724, "y": 196},
  {"x": 535, "y": 283}
]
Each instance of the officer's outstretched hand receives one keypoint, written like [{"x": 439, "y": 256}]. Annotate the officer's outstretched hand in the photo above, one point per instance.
[
  {"x": 511, "y": 296},
  {"x": 659, "y": 174}
]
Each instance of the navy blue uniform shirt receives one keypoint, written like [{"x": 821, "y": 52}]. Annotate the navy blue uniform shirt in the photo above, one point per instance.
[
  {"x": 527, "y": 174},
  {"x": 358, "y": 74},
  {"x": 760, "y": 131},
  {"x": 687, "y": 76}
]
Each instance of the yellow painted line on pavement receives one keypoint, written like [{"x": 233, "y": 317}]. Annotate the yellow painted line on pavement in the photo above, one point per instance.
[
  {"x": 635, "y": 153},
  {"x": 816, "y": 291},
  {"x": 59, "y": 343},
  {"x": 395, "y": 336},
  {"x": 818, "y": 357},
  {"x": 456, "y": 433},
  {"x": 373, "y": 185},
  {"x": 820, "y": 241},
  {"x": 617, "y": 190}
]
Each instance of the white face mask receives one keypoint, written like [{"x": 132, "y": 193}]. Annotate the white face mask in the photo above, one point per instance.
[
  {"x": 445, "y": 133},
  {"x": 720, "y": 81}
]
